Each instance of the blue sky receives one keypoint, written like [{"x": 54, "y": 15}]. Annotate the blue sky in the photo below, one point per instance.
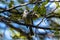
[{"x": 45, "y": 23}]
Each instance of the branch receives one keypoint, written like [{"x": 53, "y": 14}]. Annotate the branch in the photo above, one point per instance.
[
  {"x": 18, "y": 29},
  {"x": 53, "y": 15},
  {"x": 40, "y": 22},
  {"x": 53, "y": 1},
  {"x": 28, "y": 25},
  {"x": 14, "y": 7}
]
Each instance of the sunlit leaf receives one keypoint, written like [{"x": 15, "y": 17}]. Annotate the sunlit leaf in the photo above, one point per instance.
[
  {"x": 57, "y": 11},
  {"x": 11, "y": 3},
  {"x": 36, "y": 8},
  {"x": 15, "y": 16}
]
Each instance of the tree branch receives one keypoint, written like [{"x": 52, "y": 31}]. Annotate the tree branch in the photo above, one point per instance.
[
  {"x": 14, "y": 7},
  {"x": 28, "y": 25}
]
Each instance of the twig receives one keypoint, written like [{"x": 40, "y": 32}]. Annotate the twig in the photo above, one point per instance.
[
  {"x": 40, "y": 21},
  {"x": 18, "y": 6},
  {"x": 28, "y": 25}
]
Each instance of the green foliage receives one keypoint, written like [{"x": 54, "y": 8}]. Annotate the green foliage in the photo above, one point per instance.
[
  {"x": 16, "y": 35},
  {"x": 36, "y": 8},
  {"x": 15, "y": 16},
  {"x": 57, "y": 11},
  {"x": 2, "y": 1},
  {"x": 56, "y": 32},
  {"x": 31, "y": 1},
  {"x": 11, "y": 4},
  {"x": 20, "y": 1},
  {"x": 40, "y": 10},
  {"x": 27, "y": 8}
]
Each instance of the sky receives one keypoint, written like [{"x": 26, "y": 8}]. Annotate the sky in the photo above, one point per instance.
[{"x": 45, "y": 23}]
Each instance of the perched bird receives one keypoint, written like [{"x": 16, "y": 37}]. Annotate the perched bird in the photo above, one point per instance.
[
  {"x": 25, "y": 13},
  {"x": 27, "y": 19}
]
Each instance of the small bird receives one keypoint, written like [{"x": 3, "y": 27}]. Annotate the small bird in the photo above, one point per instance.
[
  {"x": 26, "y": 17},
  {"x": 25, "y": 13}
]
